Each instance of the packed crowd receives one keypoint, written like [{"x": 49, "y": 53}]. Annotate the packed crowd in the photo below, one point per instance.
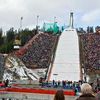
[
  {"x": 37, "y": 52},
  {"x": 91, "y": 50}
]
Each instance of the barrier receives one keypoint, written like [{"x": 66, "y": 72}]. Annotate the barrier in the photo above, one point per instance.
[{"x": 39, "y": 91}]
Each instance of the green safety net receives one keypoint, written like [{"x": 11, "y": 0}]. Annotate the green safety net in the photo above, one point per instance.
[{"x": 51, "y": 27}]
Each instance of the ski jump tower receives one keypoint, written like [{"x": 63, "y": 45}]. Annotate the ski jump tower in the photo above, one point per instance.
[{"x": 66, "y": 63}]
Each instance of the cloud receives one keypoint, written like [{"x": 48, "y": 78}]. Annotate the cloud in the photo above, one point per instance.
[
  {"x": 12, "y": 10},
  {"x": 91, "y": 17}
]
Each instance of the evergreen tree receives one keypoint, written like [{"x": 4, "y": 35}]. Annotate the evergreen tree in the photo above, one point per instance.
[
  {"x": 1, "y": 37},
  {"x": 1, "y": 32},
  {"x": 10, "y": 35},
  {"x": 25, "y": 36}
]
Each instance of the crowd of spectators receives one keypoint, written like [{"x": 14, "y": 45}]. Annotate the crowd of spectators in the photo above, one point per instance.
[
  {"x": 65, "y": 84},
  {"x": 37, "y": 52},
  {"x": 91, "y": 50},
  {"x": 70, "y": 85}
]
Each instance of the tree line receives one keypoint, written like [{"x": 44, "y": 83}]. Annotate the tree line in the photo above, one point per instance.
[{"x": 7, "y": 39}]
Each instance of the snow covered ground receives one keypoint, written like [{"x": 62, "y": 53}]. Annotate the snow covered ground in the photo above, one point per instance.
[{"x": 15, "y": 69}]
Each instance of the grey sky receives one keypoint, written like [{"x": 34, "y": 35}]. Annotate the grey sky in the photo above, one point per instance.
[{"x": 86, "y": 12}]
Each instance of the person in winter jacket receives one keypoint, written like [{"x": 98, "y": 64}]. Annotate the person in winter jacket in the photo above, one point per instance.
[{"x": 87, "y": 93}]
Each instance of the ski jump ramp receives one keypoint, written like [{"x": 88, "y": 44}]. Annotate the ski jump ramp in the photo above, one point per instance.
[{"x": 66, "y": 63}]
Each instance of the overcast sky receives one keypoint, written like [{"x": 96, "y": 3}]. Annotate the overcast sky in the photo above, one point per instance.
[{"x": 86, "y": 12}]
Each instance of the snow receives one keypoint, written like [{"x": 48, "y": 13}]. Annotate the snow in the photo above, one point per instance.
[
  {"x": 66, "y": 63},
  {"x": 15, "y": 66}
]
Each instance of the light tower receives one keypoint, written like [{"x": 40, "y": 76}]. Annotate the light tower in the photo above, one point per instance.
[
  {"x": 54, "y": 19},
  {"x": 21, "y": 23},
  {"x": 37, "y": 26}
]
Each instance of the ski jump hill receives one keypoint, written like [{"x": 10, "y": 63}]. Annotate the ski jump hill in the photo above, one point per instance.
[{"x": 66, "y": 63}]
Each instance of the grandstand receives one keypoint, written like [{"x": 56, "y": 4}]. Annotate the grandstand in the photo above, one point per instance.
[
  {"x": 32, "y": 58},
  {"x": 90, "y": 54},
  {"x": 38, "y": 51}
]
